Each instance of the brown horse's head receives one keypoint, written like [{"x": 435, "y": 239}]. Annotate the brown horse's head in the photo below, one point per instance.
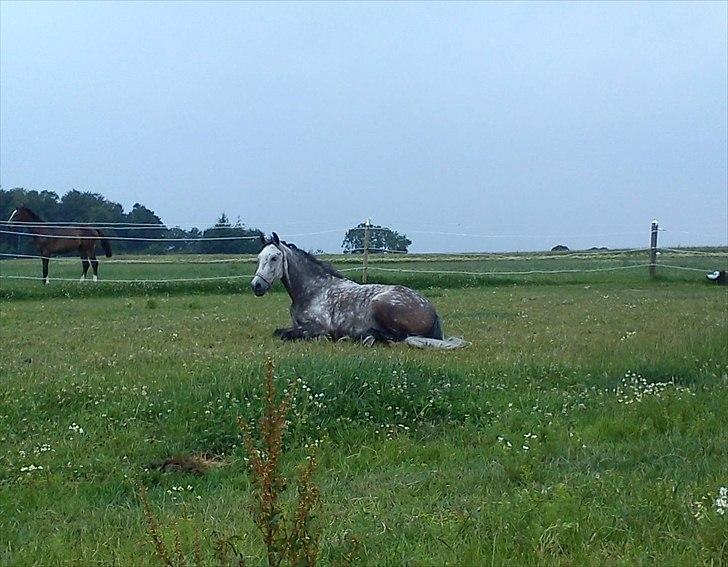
[{"x": 23, "y": 214}]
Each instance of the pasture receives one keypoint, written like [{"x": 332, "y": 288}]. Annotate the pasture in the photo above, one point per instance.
[{"x": 587, "y": 423}]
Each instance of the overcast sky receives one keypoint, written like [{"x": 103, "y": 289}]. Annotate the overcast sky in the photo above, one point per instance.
[{"x": 539, "y": 123}]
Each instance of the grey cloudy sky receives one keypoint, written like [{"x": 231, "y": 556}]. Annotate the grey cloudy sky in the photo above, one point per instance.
[{"x": 546, "y": 121}]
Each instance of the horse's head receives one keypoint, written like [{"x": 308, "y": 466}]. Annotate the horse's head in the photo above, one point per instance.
[
  {"x": 22, "y": 214},
  {"x": 270, "y": 266}
]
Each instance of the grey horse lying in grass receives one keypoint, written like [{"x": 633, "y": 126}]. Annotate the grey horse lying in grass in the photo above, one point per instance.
[{"x": 326, "y": 304}]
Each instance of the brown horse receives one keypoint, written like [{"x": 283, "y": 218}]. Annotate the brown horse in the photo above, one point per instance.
[{"x": 53, "y": 239}]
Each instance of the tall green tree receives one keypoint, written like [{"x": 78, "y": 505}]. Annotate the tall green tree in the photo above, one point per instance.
[
  {"x": 82, "y": 206},
  {"x": 140, "y": 214},
  {"x": 247, "y": 240},
  {"x": 382, "y": 239}
]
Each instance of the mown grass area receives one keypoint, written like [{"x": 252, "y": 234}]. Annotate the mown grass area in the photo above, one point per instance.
[
  {"x": 147, "y": 275},
  {"x": 585, "y": 425}
]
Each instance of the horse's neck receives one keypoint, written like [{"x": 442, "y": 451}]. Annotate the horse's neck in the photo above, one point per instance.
[
  {"x": 36, "y": 228},
  {"x": 300, "y": 283},
  {"x": 41, "y": 231},
  {"x": 33, "y": 216},
  {"x": 35, "y": 219}
]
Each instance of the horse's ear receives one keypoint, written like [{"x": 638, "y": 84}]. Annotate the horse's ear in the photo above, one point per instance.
[
  {"x": 263, "y": 241},
  {"x": 276, "y": 240}
]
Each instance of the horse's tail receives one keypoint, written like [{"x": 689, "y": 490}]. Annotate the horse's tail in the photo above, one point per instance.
[
  {"x": 435, "y": 339},
  {"x": 105, "y": 244},
  {"x": 449, "y": 343}
]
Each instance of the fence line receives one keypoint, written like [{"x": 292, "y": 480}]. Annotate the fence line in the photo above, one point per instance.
[
  {"x": 79, "y": 224},
  {"x": 571, "y": 254},
  {"x": 402, "y": 257},
  {"x": 145, "y": 239},
  {"x": 132, "y": 260},
  {"x": 380, "y": 269},
  {"x": 140, "y": 226},
  {"x": 437, "y": 257},
  {"x": 671, "y": 267},
  {"x": 606, "y": 254},
  {"x": 511, "y": 273},
  {"x": 172, "y": 280},
  {"x": 136, "y": 239},
  {"x": 399, "y": 256},
  {"x": 689, "y": 252},
  {"x": 359, "y": 268}
]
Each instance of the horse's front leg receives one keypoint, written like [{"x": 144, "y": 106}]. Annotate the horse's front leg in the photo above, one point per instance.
[
  {"x": 290, "y": 334},
  {"x": 85, "y": 263},
  {"x": 45, "y": 261},
  {"x": 299, "y": 333}
]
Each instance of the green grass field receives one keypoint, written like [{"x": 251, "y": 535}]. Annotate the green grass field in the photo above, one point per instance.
[{"x": 587, "y": 424}]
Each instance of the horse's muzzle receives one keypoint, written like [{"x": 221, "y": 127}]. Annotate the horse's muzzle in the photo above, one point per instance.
[{"x": 258, "y": 286}]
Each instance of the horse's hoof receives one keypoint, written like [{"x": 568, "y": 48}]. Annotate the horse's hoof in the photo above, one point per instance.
[
  {"x": 368, "y": 341},
  {"x": 82, "y": 279},
  {"x": 96, "y": 278}
]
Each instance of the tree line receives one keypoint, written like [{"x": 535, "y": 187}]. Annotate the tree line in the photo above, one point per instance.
[{"x": 88, "y": 207}]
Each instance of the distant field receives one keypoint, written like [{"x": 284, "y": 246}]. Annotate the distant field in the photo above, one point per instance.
[
  {"x": 587, "y": 423},
  {"x": 416, "y": 270}
]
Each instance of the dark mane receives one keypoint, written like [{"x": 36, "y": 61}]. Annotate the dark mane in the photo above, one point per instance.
[
  {"x": 31, "y": 214},
  {"x": 325, "y": 267}
]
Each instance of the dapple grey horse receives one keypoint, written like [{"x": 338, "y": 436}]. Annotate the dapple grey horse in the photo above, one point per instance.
[{"x": 326, "y": 304}]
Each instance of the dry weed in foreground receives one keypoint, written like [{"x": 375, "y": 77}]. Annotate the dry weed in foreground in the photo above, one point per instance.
[
  {"x": 175, "y": 557},
  {"x": 287, "y": 538}
]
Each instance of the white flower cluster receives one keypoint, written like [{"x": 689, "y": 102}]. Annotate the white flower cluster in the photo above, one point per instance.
[
  {"x": 628, "y": 335},
  {"x": 175, "y": 490},
  {"x": 721, "y": 502},
  {"x": 635, "y": 388},
  {"x": 525, "y": 447},
  {"x": 31, "y": 468},
  {"x": 76, "y": 428}
]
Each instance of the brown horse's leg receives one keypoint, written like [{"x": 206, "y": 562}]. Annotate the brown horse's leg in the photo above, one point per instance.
[
  {"x": 85, "y": 264},
  {"x": 95, "y": 266},
  {"x": 45, "y": 261}
]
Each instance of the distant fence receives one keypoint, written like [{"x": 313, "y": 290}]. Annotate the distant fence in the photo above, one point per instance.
[{"x": 650, "y": 262}]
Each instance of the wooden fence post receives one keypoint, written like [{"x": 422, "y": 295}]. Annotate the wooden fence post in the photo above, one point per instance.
[
  {"x": 653, "y": 249},
  {"x": 365, "y": 273}
]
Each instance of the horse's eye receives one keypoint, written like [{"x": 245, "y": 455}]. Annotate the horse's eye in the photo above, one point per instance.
[{"x": 273, "y": 259}]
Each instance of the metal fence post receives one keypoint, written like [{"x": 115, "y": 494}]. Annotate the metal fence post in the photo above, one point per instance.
[
  {"x": 653, "y": 249},
  {"x": 365, "y": 272}
]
